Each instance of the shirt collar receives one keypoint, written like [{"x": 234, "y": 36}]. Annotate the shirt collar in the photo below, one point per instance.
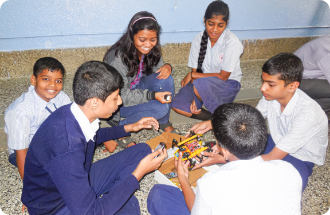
[
  {"x": 221, "y": 38},
  {"x": 289, "y": 107},
  {"x": 89, "y": 129},
  {"x": 41, "y": 104}
]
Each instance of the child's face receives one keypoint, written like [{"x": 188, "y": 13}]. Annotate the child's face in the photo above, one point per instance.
[
  {"x": 144, "y": 41},
  {"x": 109, "y": 106},
  {"x": 274, "y": 88},
  {"x": 214, "y": 27},
  {"x": 48, "y": 84}
]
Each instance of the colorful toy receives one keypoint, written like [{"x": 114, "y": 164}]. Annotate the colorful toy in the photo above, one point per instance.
[{"x": 191, "y": 149}]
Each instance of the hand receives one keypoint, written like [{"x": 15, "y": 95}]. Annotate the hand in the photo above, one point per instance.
[
  {"x": 149, "y": 163},
  {"x": 200, "y": 128},
  {"x": 161, "y": 99},
  {"x": 145, "y": 122},
  {"x": 182, "y": 168},
  {"x": 186, "y": 80},
  {"x": 213, "y": 158},
  {"x": 110, "y": 146},
  {"x": 193, "y": 108},
  {"x": 164, "y": 72}
]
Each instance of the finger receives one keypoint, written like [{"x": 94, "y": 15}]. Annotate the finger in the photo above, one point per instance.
[
  {"x": 158, "y": 71},
  {"x": 197, "y": 166},
  {"x": 105, "y": 150},
  {"x": 207, "y": 154}
]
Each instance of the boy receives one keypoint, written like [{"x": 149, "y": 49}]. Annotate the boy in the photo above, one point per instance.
[
  {"x": 59, "y": 175},
  {"x": 24, "y": 116},
  {"x": 296, "y": 122},
  {"x": 245, "y": 185}
]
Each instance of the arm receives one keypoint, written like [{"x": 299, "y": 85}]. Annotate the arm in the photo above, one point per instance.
[
  {"x": 275, "y": 154},
  {"x": 223, "y": 75},
  {"x": 75, "y": 188},
  {"x": 20, "y": 160},
  {"x": 129, "y": 97},
  {"x": 183, "y": 175},
  {"x": 200, "y": 128},
  {"x": 111, "y": 133}
]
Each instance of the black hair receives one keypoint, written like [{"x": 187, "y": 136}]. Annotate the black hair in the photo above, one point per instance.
[
  {"x": 95, "y": 79},
  {"x": 241, "y": 129},
  {"x": 47, "y": 63},
  {"x": 216, "y": 8},
  {"x": 126, "y": 48},
  {"x": 288, "y": 65}
]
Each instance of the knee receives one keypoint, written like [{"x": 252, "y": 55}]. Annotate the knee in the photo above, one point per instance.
[
  {"x": 155, "y": 193},
  {"x": 144, "y": 148},
  {"x": 161, "y": 110}
]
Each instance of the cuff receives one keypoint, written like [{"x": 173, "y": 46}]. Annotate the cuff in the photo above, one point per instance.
[{"x": 151, "y": 95}]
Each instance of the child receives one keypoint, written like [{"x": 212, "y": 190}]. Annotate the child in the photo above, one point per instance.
[
  {"x": 59, "y": 176},
  {"x": 137, "y": 57},
  {"x": 245, "y": 185},
  {"x": 315, "y": 56},
  {"x": 24, "y": 116},
  {"x": 296, "y": 122},
  {"x": 215, "y": 75}
]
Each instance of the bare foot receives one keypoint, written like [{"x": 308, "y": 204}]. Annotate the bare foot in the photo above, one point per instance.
[
  {"x": 110, "y": 146},
  {"x": 169, "y": 128}
]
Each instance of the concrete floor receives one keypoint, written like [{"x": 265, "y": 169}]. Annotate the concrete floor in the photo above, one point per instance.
[{"x": 315, "y": 199}]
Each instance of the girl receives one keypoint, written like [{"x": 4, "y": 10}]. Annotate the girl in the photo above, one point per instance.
[
  {"x": 147, "y": 80},
  {"x": 215, "y": 67}
]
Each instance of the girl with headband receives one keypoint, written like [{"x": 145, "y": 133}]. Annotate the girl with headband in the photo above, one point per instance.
[
  {"x": 215, "y": 67},
  {"x": 147, "y": 80}
]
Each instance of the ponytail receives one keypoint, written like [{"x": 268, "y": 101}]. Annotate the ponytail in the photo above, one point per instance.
[{"x": 202, "y": 52}]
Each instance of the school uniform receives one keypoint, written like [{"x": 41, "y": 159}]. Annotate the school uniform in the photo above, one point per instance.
[
  {"x": 315, "y": 56},
  {"x": 301, "y": 130},
  {"x": 59, "y": 177},
  {"x": 224, "y": 55},
  {"x": 24, "y": 116},
  {"x": 139, "y": 96},
  {"x": 239, "y": 187}
]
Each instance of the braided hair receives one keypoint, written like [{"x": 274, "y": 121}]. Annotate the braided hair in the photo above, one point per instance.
[{"x": 216, "y": 8}]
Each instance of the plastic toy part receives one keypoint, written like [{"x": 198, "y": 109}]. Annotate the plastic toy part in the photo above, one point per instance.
[{"x": 171, "y": 175}]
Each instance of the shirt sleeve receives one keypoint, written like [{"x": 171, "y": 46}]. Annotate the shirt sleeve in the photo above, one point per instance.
[
  {"x": 194, "y": 53},
  {"x": 72, "y": 181},
  {"x": 129, "y": 97},
  {"x": 111, "y": 133},
  {"x": 262, "y": 107},
  {"x": 304, "y": 128},
  {"x": 231, "y": 56},
  {"x": 18, "y": 129},
  {"x": 324, "y": 65}
]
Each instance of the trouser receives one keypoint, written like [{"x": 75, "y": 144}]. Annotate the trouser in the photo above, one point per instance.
[
  {"x": 165, "y": 200},
  {"x": 304, "y": 168},
  {"x": 105, "y": 173},
  {"x": 152, "y": 108},
  {"x": 12, "y": 159},
  {"x": 212, "y": 90},
  {"x": 319, "y": 90}
]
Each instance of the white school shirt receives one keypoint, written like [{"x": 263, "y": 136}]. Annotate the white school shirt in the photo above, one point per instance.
[
  {"x": 301, "y": 129},
  {"x": 315, "y": 56},
  {"x": 250, "y": 187},
  {"x": 224, "y": 55},
  {"x": 24, "y": 116},
  {"x": 89, "y": 129}
]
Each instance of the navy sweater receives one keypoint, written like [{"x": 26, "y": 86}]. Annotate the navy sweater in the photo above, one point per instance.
[{"x": 57, "y": 169}]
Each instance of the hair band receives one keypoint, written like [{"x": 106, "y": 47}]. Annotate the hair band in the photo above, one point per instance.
[{"x": 143, "y": 18}]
